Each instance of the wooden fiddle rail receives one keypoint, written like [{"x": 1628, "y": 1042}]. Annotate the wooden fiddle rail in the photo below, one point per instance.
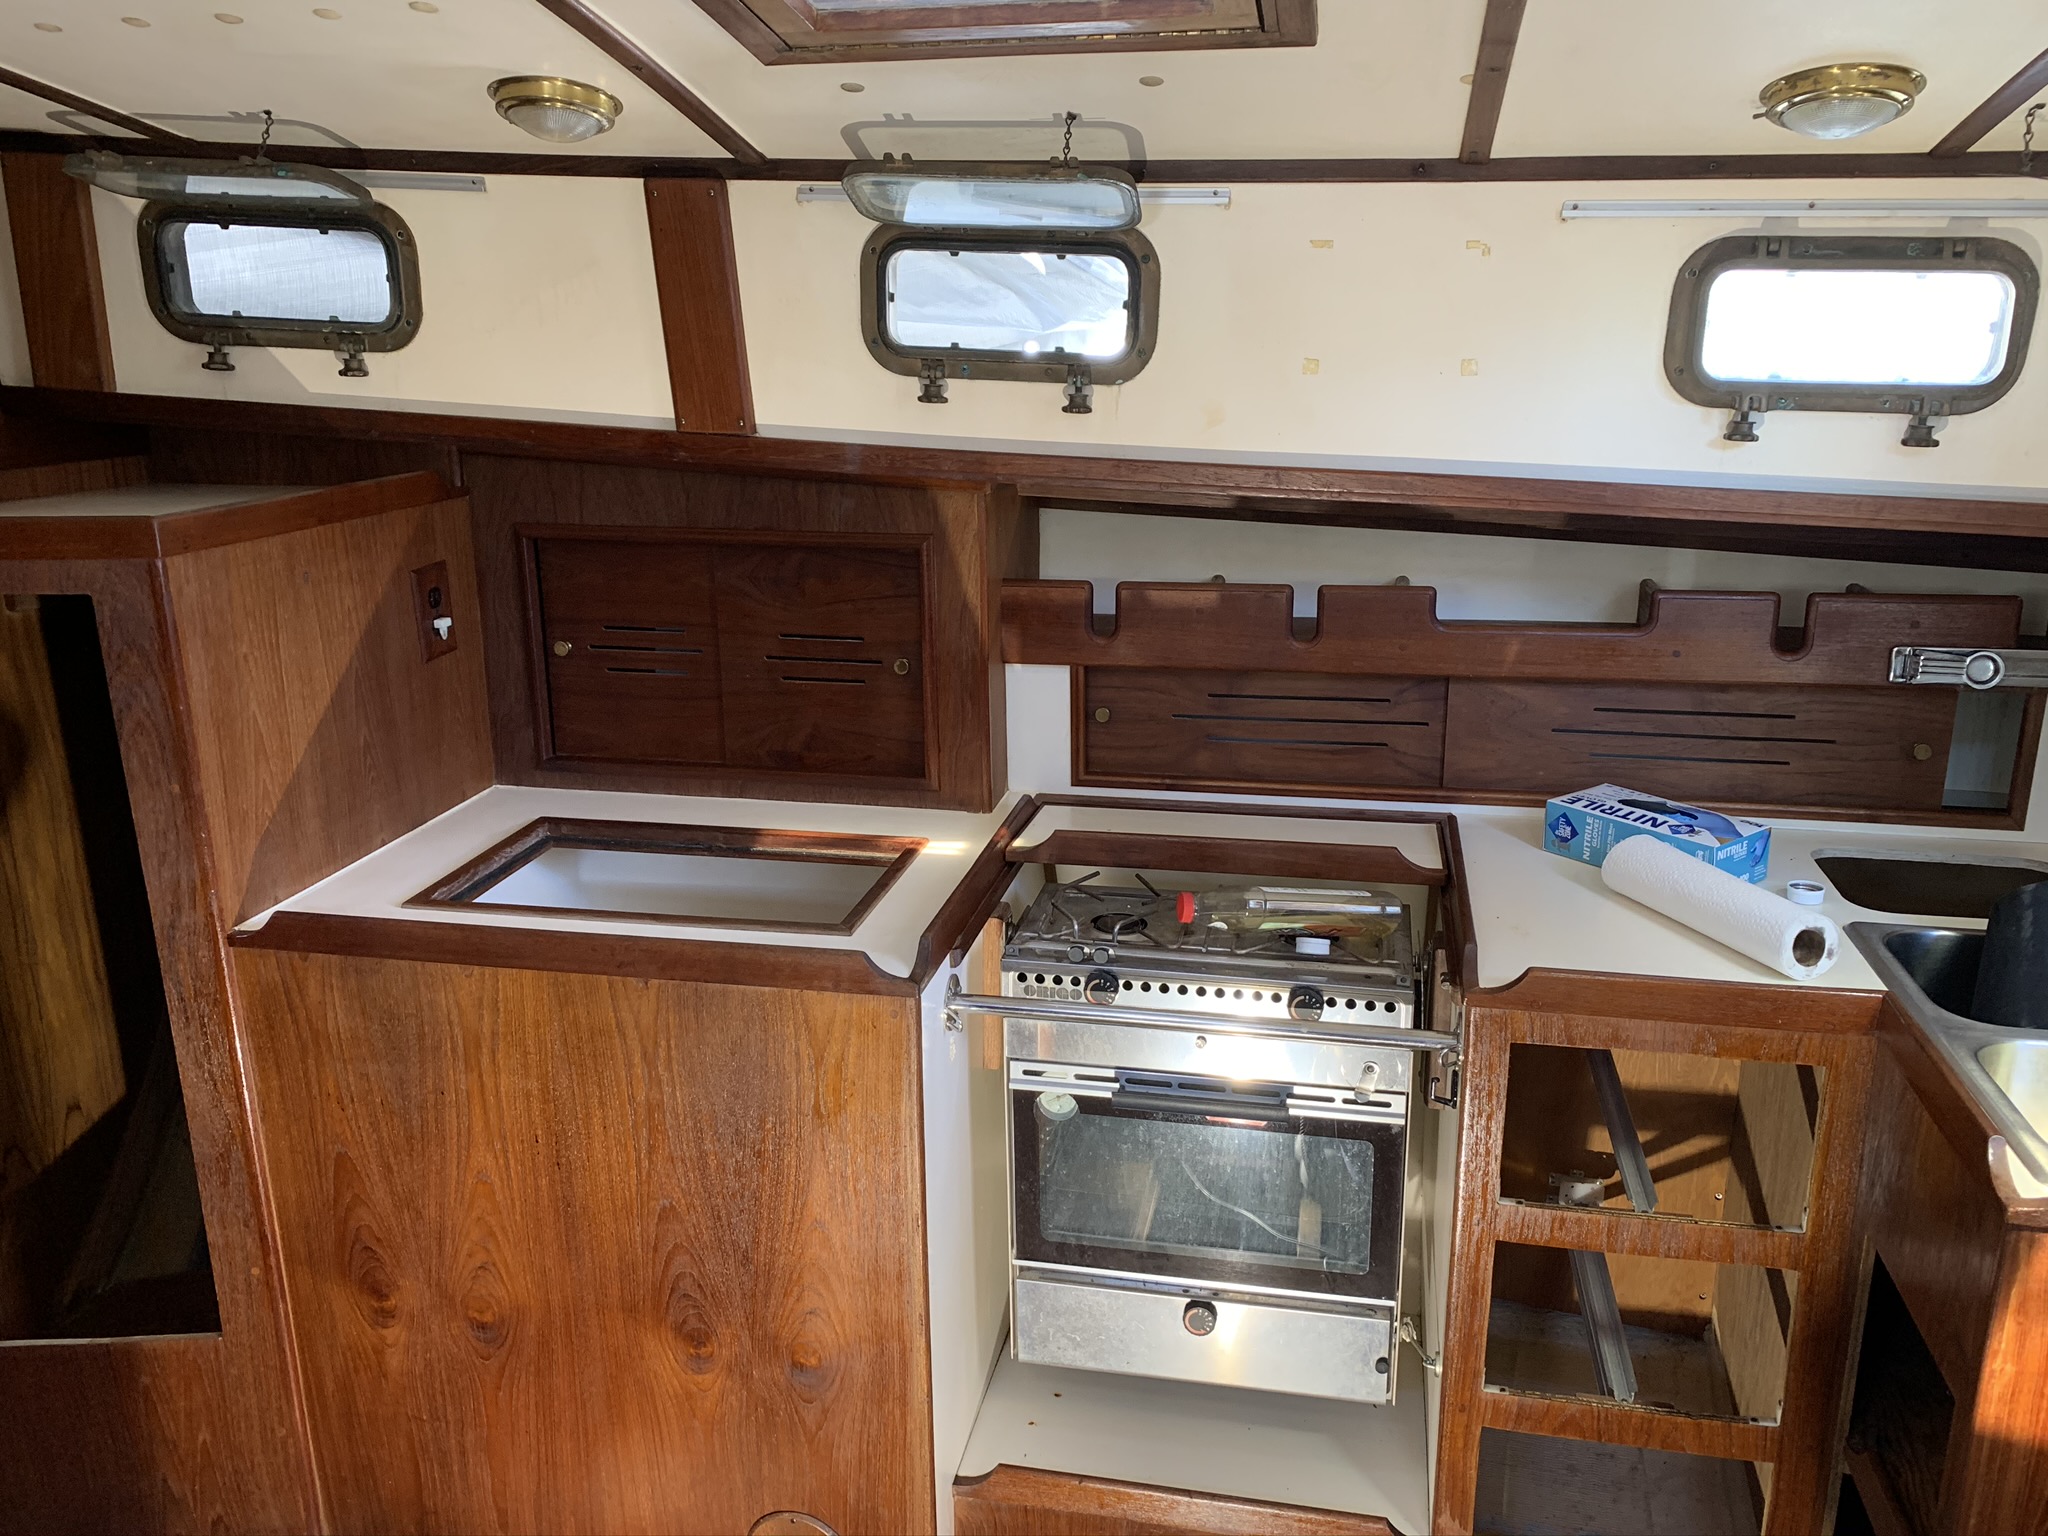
[
  {"x": 1682, "y": 637},
  {"x": 1833, "y": 1031}
]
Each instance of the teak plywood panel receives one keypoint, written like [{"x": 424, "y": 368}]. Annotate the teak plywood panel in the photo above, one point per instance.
[
  {"x": 57, "y": 260},
  {"x": 1305, "y": 728},
  {"x": 516, "y": 500},
  {"x": 194, "y": 1433},
  {"x": 60, "y": 1054},
  {"x": 696, "y": 278},
  {"x": 1883, "y": 748},
  {"x": 319, "y": 731},
  {"x": 1680, "y": 637},
  {"x": 1029, "y": 1501},
  {"x": 630, "y": 646},
  {"x": 579, "y": 1253},
  {"x": 821, "y": 658}
]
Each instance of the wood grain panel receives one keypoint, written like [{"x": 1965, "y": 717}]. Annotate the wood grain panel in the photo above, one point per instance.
[
  {"x": 1029, "y": 1501},
  {"x": 166, "y": 1434},
  {"x": 822, "y": 659},
  {"x": 1654, "y": 1429},
  {"x": 1681, "y": 637},
  {"x": 1498, "y": 34},
  {"x": 319, "y": 732},
  {"x": 1937, "y": 530},
  {"x": 629, "y": 642},
  {"x": 1834, "y": 748},
  {"x": 515, "y": 499},
  {"x": 696, "y": 278},
  {"x": 31, "y": 480},
  {"x": 60, "y": 1052},
  {"x": 1307, "y": 728},
  {"x": 57, "y": 260},
  {"x": 593, "y": 1254}
]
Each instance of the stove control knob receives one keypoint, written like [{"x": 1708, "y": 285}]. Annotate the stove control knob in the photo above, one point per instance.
[
  {"x": 1199, "y": 1318},
  {"x": 1077, "y": 954},
  {"x": 1101, "y": 987},
  {"x": 1305, "y": 1003}
]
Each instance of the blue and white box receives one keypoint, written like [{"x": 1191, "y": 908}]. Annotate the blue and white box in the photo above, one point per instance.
[{"x": 1587, "y": 825}]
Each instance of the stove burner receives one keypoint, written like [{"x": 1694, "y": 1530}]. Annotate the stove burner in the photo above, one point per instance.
[{"x": 1119, "y": 925}]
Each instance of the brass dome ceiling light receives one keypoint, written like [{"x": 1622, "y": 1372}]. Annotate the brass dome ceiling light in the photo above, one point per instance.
[
  {"x": 557, "y": 110},
  {"x": 1841, "y": 101}
]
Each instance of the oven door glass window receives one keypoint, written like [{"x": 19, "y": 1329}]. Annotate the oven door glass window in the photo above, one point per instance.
[{"x": 1308, "y": 1205}]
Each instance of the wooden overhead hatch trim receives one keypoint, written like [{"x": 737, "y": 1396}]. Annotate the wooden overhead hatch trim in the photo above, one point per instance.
[
  {"x": 87, "y": 107},
  {"x": 810, "y": 32},
  {"x": 1498, "y": 35},
  {"x": 1995, "y": 108},
  {"x": 56, "y": 256},
  {"x": 650, "y": 72},
  {"x": 696, "y": 275}
]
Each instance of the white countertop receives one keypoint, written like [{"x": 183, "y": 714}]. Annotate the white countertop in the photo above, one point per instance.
[
  {"x": 380, "y": 884},
  {"x": 1531, "y": 908}
]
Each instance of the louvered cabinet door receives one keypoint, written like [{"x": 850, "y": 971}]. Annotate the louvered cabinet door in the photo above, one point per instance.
[
  {"x": 630, "y": 650},
  {"x": 820, "y": 652}
]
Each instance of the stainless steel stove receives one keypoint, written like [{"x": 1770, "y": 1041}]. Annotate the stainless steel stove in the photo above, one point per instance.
[{"x": 1208, "y": 1138}]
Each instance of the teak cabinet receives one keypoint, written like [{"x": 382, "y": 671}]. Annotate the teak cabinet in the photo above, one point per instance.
[
  {"x": 596, "y": 1253},
  {"x": 725, "y": 652}
]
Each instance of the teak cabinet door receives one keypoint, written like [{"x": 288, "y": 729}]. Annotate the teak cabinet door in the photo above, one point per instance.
[
  {"x": 821, "y": 659},
  {"x": 630, "y": 648},
  {"x": 596, "y": 1254},
  {"x": 733, "y": 652}
]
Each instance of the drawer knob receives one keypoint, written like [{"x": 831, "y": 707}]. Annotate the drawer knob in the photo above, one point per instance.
[
  {"x": 1102, "y": 716},
  {"x": 563, "y": 647},
  {"x": 901, "y": 667}
]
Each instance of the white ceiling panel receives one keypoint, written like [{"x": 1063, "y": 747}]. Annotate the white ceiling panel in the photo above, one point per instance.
[
  {"x": 1656, "y": 77},
  {"x": 380, "y": 73},
  {"x": 19, "y": 110}
]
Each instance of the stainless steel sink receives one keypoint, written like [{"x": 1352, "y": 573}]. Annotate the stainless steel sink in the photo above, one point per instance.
[
  {"x": 2019, "y": 1070},
  {"x": 1932, "y": 972},
  {"x": 1926, "y": 885}
]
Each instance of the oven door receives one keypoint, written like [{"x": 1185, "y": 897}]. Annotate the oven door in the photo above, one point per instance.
[{"x": 1262, "y": 1187}]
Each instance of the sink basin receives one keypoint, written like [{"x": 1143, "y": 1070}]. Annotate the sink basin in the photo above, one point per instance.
[
  {"x": 1931, "y": 974},
  {"x": 2019, "y": 1068},
  {"x": 1930, "y": 887}
]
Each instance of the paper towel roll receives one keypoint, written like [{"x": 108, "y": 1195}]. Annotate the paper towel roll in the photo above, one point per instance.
[{"x": 1798, "y": 941}]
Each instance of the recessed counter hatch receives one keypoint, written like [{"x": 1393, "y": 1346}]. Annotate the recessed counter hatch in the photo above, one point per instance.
[{"x": 733, "y": 877}]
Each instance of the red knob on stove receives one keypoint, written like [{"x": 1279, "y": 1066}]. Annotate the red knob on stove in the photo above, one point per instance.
[{"x": 1184, "y": 908}]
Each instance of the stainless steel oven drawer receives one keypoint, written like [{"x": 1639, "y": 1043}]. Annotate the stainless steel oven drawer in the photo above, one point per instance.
[{"x": 1268, "y": 1343}]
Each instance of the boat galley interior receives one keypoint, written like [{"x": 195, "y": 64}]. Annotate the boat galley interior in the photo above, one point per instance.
[{"x": 1023, "y": 768}]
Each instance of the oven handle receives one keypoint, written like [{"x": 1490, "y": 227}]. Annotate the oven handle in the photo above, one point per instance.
[{"x": 959, "y": 1004}]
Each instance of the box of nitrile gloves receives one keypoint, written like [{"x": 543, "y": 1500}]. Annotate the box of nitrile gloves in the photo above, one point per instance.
[{"x": 1587, "y": 825}]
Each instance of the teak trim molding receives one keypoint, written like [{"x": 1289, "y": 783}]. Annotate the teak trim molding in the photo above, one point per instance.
[
  {"x": 1526, "y": 168},
  {"x": 1498, "y": 34},
  {"x": 1583, "y": 508},
  {"x": 1994, "y": 109},
  {"x": 461, "y": 888}
]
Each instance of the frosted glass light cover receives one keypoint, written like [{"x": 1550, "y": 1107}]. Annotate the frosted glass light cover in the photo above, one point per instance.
[
  {"x": 1840, "y": 117},
  {"x": 1026, "y": 304},
  {"x": 996, "y": 197},
  {"x": 1946, "y": 330},
  {"x": 556, "y": 122}
]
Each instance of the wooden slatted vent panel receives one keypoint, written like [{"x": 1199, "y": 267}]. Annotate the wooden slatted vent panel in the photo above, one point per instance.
[
  {"x": 1875, "y": 748},
  {"x": 631, "y": 650},
  {"x": 1294, "y": 727},
  {"x": 1379, "y": 696},
  {"x": 778, "y": 657}
]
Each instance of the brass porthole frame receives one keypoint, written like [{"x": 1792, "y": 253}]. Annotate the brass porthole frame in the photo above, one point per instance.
[
  {"x": 1133, "y": 249},
  {"x": 189, "y": 324},
  {"x": 1685, "y": 333}
]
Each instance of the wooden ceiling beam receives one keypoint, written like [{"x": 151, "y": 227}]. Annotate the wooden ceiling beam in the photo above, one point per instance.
[
  {"x": 1564, "y": 169},
  {"x": 650, "y": 72},
  {"x": 1497, "y": 37},
  {"x": 85, "y": 105},
  {"x": 1995, "y": 108}
]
